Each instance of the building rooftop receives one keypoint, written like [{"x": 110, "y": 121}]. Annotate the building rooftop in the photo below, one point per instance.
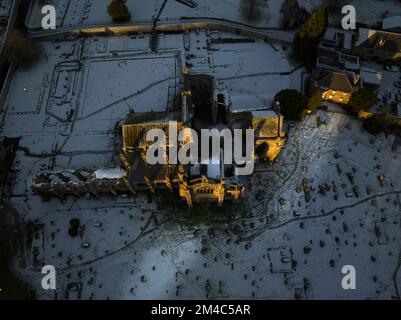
[
  {"x": 338, "y": 81},
  {"x": 391, "y": 23},
  {"x": 379, "y": 40}
]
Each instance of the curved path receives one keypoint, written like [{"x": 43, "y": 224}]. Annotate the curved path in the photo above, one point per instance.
[
  {"x": 258, "y": 231},
  {"x": 395, "y": 277}
]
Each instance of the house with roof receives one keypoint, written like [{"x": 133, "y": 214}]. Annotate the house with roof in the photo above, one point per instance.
[
  {"x": 337, "y": 72},
  {"x": 336, "y": 86},
  {"x": 379, "y": 46}
]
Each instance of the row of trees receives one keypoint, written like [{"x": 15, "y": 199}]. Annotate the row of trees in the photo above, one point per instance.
[{"x": 293, "y": 104}]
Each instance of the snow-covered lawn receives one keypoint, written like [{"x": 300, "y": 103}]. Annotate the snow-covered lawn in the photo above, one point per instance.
[
  {"x": 331, "y": 199},
  {"x": 246, "y": 257}
]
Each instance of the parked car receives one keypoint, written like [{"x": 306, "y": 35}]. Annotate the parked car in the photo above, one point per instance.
[{"x": 392, "y": 68}]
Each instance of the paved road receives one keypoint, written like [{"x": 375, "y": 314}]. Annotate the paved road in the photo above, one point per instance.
[{"x": 183, "y": 24}]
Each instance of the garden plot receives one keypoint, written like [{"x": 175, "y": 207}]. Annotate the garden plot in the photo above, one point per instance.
[
  {"x": 233, "y": 60},
  {"x": 141, "y": 83},
  {"x": 60, "y": 106},
  {"x": 28, "y": 101},
  {"x": 253, "y": 73}
]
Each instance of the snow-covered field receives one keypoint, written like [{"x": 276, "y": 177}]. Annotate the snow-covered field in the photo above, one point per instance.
[
  {"x": 143, "y": 250},
  {"x": 331, "y": 199}
]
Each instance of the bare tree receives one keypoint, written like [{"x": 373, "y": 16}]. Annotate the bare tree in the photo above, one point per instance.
[{"x": 251, "y": 9}]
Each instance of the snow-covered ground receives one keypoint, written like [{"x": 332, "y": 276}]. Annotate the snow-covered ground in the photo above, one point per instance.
[
  {"x": 144, "y": 250},
  {"x": 73, "y": 13},
  {"x": 331, "y": 199},
  {"x": 388, "y": 92}
]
